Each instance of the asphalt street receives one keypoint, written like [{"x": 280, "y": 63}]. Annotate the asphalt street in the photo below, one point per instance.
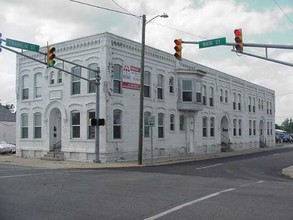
[{"x": 240, "y": 187}]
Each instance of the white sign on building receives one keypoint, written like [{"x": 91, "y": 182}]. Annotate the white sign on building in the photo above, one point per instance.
[{"x": 131, "y": 77}]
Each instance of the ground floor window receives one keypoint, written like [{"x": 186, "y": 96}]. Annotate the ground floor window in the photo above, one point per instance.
[
  {"x": 24, "y": 126},
  {"x": 117, "y": 124},
  {"x": 91, "y": 129},
  {"x": 75, "y": 124},
  {"x": 37, "y": 125},
  {"x": 160, "y": 125}
]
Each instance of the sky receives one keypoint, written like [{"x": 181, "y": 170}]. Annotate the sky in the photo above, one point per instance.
[{"x": 262, "y": 21}]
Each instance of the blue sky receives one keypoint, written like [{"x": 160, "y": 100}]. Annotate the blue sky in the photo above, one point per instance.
[{"x": 262, "y": 21}]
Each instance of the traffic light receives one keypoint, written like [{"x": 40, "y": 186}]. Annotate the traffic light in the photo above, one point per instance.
[
  {"x": 238, "y": 40},
  {"x": 178, "y": 49},
  {"x": 51, "y": 56}
]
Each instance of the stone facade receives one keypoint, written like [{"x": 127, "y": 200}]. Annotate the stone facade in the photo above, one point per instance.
[{"x": 197, "y": 109}]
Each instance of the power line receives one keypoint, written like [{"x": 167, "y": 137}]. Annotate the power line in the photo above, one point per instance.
[
  {"x": 121, "y": 7},
  {"x": 283, "y": 11}
]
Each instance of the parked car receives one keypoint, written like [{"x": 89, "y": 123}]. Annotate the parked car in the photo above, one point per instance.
[{"x": 7, "y": 148}]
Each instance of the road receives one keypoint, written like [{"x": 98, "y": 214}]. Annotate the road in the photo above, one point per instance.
[{"x": 239, "y": 187}]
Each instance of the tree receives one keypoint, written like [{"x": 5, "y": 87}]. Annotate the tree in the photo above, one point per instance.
[
  {"x": 287, "y": 125},
  {"x": 10, "y": 107}
]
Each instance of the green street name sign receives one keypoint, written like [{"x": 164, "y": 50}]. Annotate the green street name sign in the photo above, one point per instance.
[
  {"x": 212, "y": 43},
  {"x": 22, "y": 45}
]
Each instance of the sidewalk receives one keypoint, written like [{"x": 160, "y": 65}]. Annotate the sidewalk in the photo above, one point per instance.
[{"x": 38, "y": 163}]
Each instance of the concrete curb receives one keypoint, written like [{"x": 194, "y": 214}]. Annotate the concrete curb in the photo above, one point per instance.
[{"x": 288, "y": 172}]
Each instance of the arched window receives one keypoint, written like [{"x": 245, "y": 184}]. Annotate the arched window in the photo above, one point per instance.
[
  {"x": 212, "y": 127},
  {"x": 92, "y": 77},
  {"x": 160, "y": 125},
  {"x": 38, "y": 85},
  {"x": 172, "y": 122},
  {"x": 171, "y": 85},
  {"x": 75, "y": 124},
  {"x": 91, "y": 129},
  {"x": 147, "y": 85},
  {"x": 25, "y": 87},
  {"x": 117, "y": 124},
  {"x": 204, "y": 126},
  {"x": 160, "y": 86},
  {"x": 147, "y": 115},
  {"x": 211, "y": 96},
  {"x": 75, "y": 88},
  {"x": 37, "y": 125},
  {"x": 117, "y": 82},
  {"x": 24, "y": 125},
  {"x": 204, "y": 95}
]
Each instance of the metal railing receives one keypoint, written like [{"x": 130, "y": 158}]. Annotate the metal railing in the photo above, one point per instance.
[{"x": 57, "y": 148}]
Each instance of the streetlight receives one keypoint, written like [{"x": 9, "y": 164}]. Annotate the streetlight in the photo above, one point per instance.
[{"x": 140, "y": 137}]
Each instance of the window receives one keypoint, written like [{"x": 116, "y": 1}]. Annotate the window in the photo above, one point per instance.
[
  {"x": 234, "y": 127},
  {"x": 249, "y": 104},
  {"x": 172, "y": 122},
  {"x": 38, "y": 85},
  {"x": 182, "y": 123},
  {"x": 226, "y": 96},
  {"x": 268, "y": 128},
  {"x": 59, "y": 76},
  {"x": 171, "y": 85},
  {"x": 75, "y": 124},
  {"x": 239, "y": 102},
  {"x": 52, "y": 80},
  {"x": 75, "y": 80},
  {"x": 117, "y": 124},
  {"x": 262, "y": 104},
  {"x": 211, "y": 96},
  {"x": 204, "y": 95},
  {"x": 271, "y": 128},
  {"x": 25, "y": 87},
  {"x": 239, "y": 127},
  {"x": 221, "y": 95},
  {"x": 147, "y": 128},
  {"x": 160, "y": 87},
  {"x": 37, "y": 125},
  {"x": 186, "y": 90},
  {"x": 117, "y": 78},
  {"x": 254, "y": 127},
  {"x": 147, "y": 85},
  {"x": 91, "y": 129},
  {"x": 160, "y": 125},
  {"x": 267, "y": 107},
  {"x": 204, "y": 126},
  {"x": 24, "y": 126},
  {"x": 198, "y": 92},
  {"x": 253, "y": 104},
  {"x": 259, "y": 105},
  {"x": 212, "y": 127},
  {"x": 92, "y": 77},
  {"x": 271, "y": 107},
  {"x": 234, "y": 101},
  {"x": 250, "y": 127}
]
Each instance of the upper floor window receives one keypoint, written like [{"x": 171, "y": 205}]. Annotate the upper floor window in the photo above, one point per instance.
[
  {"x": 253, "y": 104},
  {"x": 234, "y": 101},
  {"x": 75, "y": 88},
  {"x": 221, "y": 95},
  {"x": 250, "y": 127},
  {"x": 59, "y": 76},
  {"x": 117, "y": 82},
  {"x": 92, "y": 77},
  {"x": 171, "y": 85},
  {"x": 186, "y": 90},
  {"x": 38, "y": 85},
  {"x": 160, "y": 91},
  {"x": 52, "y": 77},
  {"x": 211, "y": 98},
  {"x": 226, "y": 96},
  {"x": 147, "y": 85},
  {"x": 271, "y": 108},
  {"x": 239, "y": 102},
  {"x": 37, "y": 125},
  {"x": 249, "y": 104},
  {"x": 24, "y": 125},
  {"x": 204, "y": 95},
  {"x": 160, "y": 125},
  {"x": 117, "y": 124},
  {"x": 198, "y": 91},
  {"x": 25, "y": 87}
]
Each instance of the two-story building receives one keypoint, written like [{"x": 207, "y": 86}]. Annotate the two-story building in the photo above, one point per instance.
[{"x": 197, "y": 109}]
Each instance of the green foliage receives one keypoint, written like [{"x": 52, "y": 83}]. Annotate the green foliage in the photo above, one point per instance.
[
  {"x": 287, "y": 125},
  {"x": 10, "y": 107}
]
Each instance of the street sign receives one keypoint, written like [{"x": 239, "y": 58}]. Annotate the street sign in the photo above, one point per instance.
[
  {"x": 212, "y": 43},
  {"x": 22, "y": 45},
  {"x": 152, "y": 121}
]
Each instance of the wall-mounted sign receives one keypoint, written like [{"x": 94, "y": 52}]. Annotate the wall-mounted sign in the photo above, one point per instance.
[{"x": 131, "y": 77}]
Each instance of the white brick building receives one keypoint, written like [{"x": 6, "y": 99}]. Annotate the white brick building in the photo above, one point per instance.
[{"x": 197, "y": 109}]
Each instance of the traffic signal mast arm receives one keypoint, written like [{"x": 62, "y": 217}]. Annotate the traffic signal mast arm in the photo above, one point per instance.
[{"x": 265, "y": 46}]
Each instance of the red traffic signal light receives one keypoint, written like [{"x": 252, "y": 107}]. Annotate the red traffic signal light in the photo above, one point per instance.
[
  {"x": 238, "y": 39},
  {"x": 51, "y": 56},
  {"x": 178, "y": 49}
]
